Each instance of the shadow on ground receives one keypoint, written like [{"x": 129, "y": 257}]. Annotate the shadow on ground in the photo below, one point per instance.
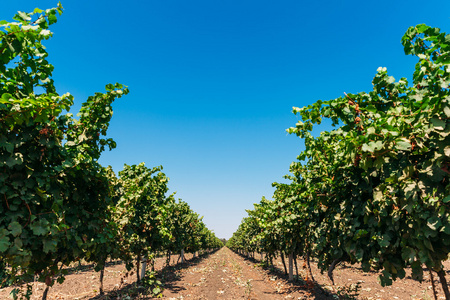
[
  {"x": 167, "y": 275},
  {"x": 314, "y": 289}
]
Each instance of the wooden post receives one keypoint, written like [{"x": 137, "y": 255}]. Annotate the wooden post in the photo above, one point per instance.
[
  {"x": 182, "y": 256},
  {"x": 102, "y": 273},
  {"x": 444, "y": 285},
  {"x": 291, "y": 266},
  {"x": 138, "y": 264},
  {"x": 144, "y": 266}
]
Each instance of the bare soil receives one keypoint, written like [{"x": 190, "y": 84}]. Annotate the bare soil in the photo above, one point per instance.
[{"x": 226, "y": 275}]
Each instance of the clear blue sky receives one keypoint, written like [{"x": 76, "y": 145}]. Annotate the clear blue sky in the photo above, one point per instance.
[{"x": 212, "y": 83}]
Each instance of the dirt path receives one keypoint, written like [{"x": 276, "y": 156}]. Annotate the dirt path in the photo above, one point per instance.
[{"x": 226, "y": 275}]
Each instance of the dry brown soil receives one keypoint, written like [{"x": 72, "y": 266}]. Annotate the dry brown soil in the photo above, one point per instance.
[{"x": 226, "y": 275}]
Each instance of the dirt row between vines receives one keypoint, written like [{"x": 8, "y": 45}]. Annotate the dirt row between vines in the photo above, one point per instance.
[{"x": 227, "y": 275}]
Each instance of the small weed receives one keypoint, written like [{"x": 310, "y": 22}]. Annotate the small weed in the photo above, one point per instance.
[
  {"x": 153, "y": 286},
  {"x": 262, "y": 264},
  {"x": 425, "y": 295},
  {"x": 237, "y": 268},
  {"x": 348, "y": 292},
  {"x": 248, "y": 288}
]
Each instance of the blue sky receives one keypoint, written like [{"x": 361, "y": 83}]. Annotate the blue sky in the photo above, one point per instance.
[{"x": 212, "y": 83}]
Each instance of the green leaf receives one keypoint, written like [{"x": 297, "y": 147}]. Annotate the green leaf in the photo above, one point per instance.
[
  {"x": 7, "y": 96},
  {"x": 49, "y": 246},
  {"x": 428, "y": 232},
  {"x": 434, "y": 223},
  {"x": 438, "y": 123},
  {"x": 384, "y": 241},
  {"x": 447, "y": 151},
  {"x": 39, "y": 228},
  {"x": 18, "y": 243},
  {"x": 372, "y": 146},
  {"x": 428, "y": 244},
  {"x": 446, "y": 199},
  {"x": 447, "y": 111},
  {"x": 360, "y": 233},
  {"x": 52, "y": 19},
  {"x": 15, "y": 228},
  {"x": 4, "y": 243},
  {"x": 9, "y": 147},
  {"x": 410, "y": 190},
  {"x": 377, "y": 195},
  {"x": 417, "y": 270},
  {"x": 67, "y": 164},
  {"x": 446, "y": 229},
  {"x": 24, "y": 16},
  {"x": 16, "y": 160},
  {"x": 366, "y": 148},
  {"x": 408, "y": 254},
  {"x": 109, "y": 87},
  {"x": 385, "y": 278},
  {"x": 403, "y": 144}
]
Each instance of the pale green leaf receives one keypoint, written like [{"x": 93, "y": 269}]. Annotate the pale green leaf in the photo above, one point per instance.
[
  {"x": 447, "y": 151},
  {"x": 438, "y": 123},
  {"x": 447, "y": 111},
  {"x": 24, "y": 16},
  {"x": 403, "y": 144}
]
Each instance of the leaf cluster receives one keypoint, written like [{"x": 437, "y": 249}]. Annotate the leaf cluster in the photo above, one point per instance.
[
  {"x": 58, "y": 205},
  {"x": 375, "y": 189}
]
